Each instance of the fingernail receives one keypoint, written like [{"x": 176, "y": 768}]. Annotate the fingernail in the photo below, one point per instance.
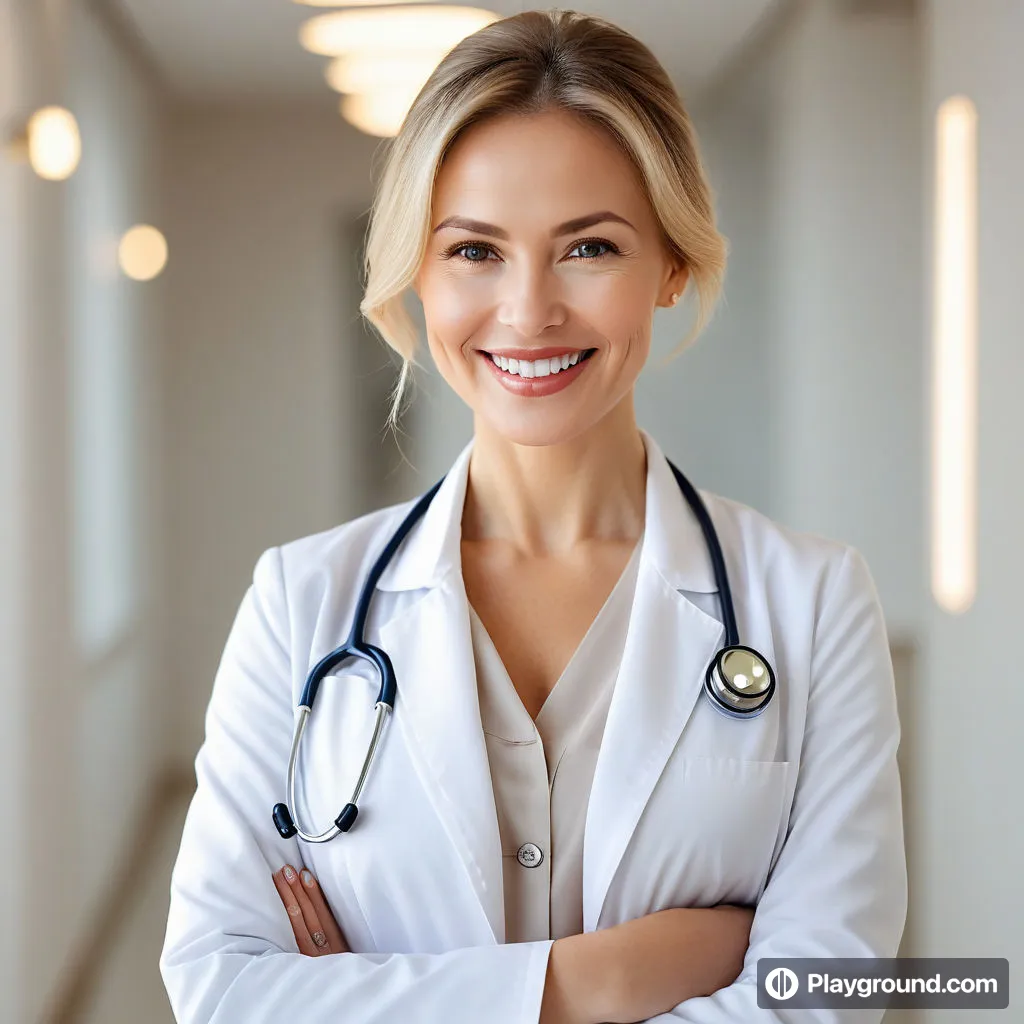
[
  {"x": 289, "y": 873},
  {"x": 307, "y": 879}
]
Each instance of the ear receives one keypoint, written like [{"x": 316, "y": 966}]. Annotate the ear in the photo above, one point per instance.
[{"x": 675, "y": 284}]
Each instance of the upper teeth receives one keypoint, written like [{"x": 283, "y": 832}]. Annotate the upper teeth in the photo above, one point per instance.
[{"x": 538, "y": 367}]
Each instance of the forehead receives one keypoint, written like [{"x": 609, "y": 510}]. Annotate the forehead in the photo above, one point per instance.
[{"x": 546, "y": 165}]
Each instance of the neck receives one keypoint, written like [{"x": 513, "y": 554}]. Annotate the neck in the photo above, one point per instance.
[{"x": 545, "y": 500}]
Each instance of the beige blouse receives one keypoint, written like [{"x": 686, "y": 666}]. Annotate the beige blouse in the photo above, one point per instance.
[{"x": 542, "y": 771}]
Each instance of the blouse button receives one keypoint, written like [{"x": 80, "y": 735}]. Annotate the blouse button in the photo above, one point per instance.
[{"x": 529, "y": 855}]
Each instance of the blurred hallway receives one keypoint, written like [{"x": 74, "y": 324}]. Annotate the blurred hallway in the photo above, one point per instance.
[{"x": 126, "y": 988}]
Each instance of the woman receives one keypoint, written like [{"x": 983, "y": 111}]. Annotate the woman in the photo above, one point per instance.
[{"x": 558, "y": 826}]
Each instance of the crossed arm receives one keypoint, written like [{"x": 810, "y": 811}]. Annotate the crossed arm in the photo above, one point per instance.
[
  {"x": 837, "y": 889},
  {"x": 622, "y": 974}
]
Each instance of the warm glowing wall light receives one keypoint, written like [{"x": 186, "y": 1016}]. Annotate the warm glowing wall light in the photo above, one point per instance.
[
  {"x": 955, "y": 358},
  {"x": 391, "y": 28},
  {"x": 54, "y": 143},
  {"x": 142, "y": 253}
]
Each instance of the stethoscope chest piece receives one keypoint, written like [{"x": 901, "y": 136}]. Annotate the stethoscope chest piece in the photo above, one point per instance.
[{"x": 739, "y": 681}]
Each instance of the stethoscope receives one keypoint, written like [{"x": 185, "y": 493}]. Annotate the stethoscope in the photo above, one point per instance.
[{"x": 739, "y": 682}]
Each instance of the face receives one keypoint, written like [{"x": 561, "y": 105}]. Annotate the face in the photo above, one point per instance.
[{"x": 507, "y": 273}]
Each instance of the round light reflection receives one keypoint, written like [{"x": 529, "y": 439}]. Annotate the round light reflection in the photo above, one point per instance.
[{"x": 142, "y": 253}]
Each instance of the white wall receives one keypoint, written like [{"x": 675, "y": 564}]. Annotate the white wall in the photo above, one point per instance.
[
  {"x": 114, "y": 366},
  {"x": 822, "y": 159},
  {"x": 86, "y": 749},
  {"x": 13, "y": 512},
  {"x": 972, "y": 703},
  {"x": 263, "y": 442}
]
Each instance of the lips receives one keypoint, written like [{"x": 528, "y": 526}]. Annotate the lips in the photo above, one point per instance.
[{"x": 537, "y": 387}]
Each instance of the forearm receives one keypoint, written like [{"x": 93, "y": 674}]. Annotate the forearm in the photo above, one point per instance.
[
  {"x": 674, "y": 955},
  {"x": 579, "y": 987},
  {"x": 644, "y": 967}
]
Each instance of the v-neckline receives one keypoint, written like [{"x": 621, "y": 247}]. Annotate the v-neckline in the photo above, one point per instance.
[{"x": 570, "y": 667}]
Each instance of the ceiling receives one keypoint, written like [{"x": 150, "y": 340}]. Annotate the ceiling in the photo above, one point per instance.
[{"x": 227, "y": 49}]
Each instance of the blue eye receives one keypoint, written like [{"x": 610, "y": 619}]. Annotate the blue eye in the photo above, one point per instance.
[
  {"x": 471, "y": 247},
  {"x": 595, "y": 242},
  {"x": 456, "y": 251}
]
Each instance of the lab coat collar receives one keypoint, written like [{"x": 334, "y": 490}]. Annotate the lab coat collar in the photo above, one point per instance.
[
  {"x": 668, "y": 646},
  {"x": 673, "y": 541}
]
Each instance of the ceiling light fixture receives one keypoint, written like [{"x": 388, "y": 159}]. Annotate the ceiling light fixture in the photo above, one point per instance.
[
  {"x": 372, "y": 70},
  {"x": 379, "y": 113},
  {"x": 383, "y": 57},
  {"x": 393, "y": 29}
]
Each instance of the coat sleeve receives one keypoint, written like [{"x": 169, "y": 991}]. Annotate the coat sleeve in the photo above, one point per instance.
[
  {"x": 229, "y": 953},
  {"x": 839, "y": 885}
]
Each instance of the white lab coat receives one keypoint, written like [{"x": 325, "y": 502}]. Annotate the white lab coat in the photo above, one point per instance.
[{"x": 797, "y": 810}]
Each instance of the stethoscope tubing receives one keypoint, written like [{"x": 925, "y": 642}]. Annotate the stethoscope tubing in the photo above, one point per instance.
[{"x": 726, "y": 698}]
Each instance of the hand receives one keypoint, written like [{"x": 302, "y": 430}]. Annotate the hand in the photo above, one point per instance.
[{"x": 316, "y": 931}]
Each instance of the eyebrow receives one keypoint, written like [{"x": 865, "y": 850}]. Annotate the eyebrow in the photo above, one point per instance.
[{"x": 568, "y": 228}]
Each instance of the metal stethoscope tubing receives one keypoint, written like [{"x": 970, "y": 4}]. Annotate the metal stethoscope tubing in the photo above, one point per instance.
[{"x": 739, "y": 682}]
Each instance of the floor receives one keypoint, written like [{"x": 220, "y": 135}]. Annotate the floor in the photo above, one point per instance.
[{"x": 129, "y": 989}]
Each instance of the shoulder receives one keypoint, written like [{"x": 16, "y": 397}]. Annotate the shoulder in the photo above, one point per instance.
[
  {"x": 308, "y": 567},
  {"x": 754, "y": 531},
  {"x": 785, "y": 563}
]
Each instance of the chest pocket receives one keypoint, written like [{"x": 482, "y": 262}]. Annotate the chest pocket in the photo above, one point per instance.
[{"x": 706, "y": 835}]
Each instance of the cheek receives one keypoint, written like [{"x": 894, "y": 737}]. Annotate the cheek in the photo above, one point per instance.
[
  {"x": 453, "y": 311},
  {"x": 628, "y": 330}
]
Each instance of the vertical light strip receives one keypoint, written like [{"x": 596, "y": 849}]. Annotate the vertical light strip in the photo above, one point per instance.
[{"x": 955, "y": 358}]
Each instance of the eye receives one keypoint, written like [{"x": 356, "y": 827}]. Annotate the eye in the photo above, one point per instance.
[
  {"x": 593, "y": 243},
  {"x": 457, "y": 251}
]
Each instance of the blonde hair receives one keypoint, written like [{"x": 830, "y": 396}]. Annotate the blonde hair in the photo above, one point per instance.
[{"x": 531, "y": 63}]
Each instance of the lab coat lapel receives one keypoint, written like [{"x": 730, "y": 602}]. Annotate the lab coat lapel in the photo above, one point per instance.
[
  {"x": 669, "y": 644},
  {"x": 437, "y": 708}
]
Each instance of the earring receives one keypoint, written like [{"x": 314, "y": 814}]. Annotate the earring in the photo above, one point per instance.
[{"x": 674, "y": 297}]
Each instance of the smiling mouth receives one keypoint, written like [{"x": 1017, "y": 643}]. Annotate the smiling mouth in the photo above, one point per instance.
[{"x": 582, "y": 355}]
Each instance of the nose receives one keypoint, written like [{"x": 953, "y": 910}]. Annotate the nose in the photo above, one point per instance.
[{"x": 531, "y": 300}]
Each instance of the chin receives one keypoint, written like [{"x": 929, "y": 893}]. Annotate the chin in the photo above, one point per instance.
[{"x": 535, "y": 430}]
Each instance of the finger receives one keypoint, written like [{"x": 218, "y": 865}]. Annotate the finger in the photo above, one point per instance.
[
  {"x": 323, "y": 913},
  {"x": 314, "y": 925},
  {"x": 303, "y": 939}
]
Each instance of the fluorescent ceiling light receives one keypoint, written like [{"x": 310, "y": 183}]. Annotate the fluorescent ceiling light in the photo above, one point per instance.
[{"x": 392, "y": 28}]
